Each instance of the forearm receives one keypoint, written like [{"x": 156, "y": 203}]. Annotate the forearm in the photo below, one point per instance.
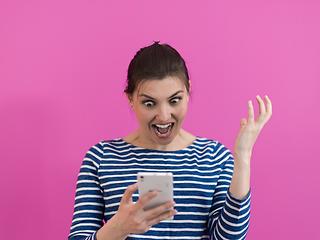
[
  {"x": 233, "y": 221},
  {"x": 229, "y": 218},
  {"x": 240, "y": 183}
]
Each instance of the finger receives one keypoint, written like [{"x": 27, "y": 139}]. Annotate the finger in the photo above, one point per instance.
[
  {"x": 161, "y": 213},
  {"x": 162, "y": 217},
  {"x": 250, "y": 112},
  {"x": 154, "y": 212},
  {"x": 142, "y": 202},
  {"x": 127, "y": 196},
  {"x": 243, "y": 123},
  {"x": 269, "y": 105},
  {"x": 262, "y": 110},
  {"x": 268, "y": 113}
]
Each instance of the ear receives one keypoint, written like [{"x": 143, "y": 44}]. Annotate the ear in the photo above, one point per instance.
[
  {"x": 189, "y": 90},
  {"x": 129, "y": 97}
]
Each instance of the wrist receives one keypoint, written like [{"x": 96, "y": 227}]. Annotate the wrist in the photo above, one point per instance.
[
  {"x": 242, "y": 156},
  {"x": 111, "y": 231},
  {"x": 240, "y": 183}
]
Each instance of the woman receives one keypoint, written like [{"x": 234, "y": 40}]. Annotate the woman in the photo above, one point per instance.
[{"x": 211, "y": 188}]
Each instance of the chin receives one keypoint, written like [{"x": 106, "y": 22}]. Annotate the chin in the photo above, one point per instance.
[{"x": 165, "y": 140}]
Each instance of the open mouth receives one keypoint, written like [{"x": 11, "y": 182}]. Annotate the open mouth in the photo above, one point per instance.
[{"x": 163, "y": 130}]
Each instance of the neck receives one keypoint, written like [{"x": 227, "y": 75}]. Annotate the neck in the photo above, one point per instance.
[{"x": 181, "y": 141}]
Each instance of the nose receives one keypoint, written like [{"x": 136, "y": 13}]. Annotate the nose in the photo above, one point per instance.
[{"x": 164, "y": 113}]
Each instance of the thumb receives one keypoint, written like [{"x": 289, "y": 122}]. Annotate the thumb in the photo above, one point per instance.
[
  {"x": 243, "y": 124},
  {"x": 127, "y": 196}
]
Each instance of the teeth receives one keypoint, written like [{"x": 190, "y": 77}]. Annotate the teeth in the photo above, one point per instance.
[
  {"x": 169, "y": 126},
  {"x": 163, "y": 126}
]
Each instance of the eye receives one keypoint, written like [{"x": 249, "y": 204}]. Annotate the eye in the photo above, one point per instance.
[
  {"x": 175, "y": 100},
  {"x": 149, "y": 103}
]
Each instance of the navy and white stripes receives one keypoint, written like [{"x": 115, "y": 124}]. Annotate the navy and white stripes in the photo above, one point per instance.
[{"x": 202, "y": 175}]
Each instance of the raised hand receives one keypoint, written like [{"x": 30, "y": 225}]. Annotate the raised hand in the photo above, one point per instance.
[
  {"x": 247, "y": 136},
  {"x": 249, "y": 130},
  {"x": 131, "y": 218}
]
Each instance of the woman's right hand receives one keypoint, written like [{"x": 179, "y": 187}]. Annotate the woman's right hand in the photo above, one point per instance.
[{"x": 131, "y": 218}]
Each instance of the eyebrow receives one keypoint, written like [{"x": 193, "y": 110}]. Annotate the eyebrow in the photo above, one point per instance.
[{"x": 147, "y": 96}]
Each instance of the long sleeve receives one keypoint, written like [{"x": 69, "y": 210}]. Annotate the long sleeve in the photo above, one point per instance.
[
  {"x": 202, "y": 175},
  {"x": 229, "y": 217},
  {"x": 89, "y": 206}
]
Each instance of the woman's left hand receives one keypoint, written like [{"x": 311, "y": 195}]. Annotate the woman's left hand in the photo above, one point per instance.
[
  {"x": 247, "y": 136},
  {"x": 249, "y": 130}
]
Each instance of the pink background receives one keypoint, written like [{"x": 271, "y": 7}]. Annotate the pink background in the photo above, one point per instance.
[{"x": 63, "y": 69}]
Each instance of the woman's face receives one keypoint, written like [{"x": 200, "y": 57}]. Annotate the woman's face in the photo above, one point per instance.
[{"x": 160, "y": 107}]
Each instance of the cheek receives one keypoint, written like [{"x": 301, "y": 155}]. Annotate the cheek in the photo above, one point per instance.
[
  {"x": 143, "y": 116},
  {"x": 182, "y": 111}
]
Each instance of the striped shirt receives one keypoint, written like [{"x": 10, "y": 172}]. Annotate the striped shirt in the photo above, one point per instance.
[{"x": 202, "y": 174}]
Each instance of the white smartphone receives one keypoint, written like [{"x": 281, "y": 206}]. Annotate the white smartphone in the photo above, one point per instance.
[{"x": 162, "y": 182}]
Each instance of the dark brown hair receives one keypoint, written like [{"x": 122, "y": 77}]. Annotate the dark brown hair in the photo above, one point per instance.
[{"x": 156, "y": 62}]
